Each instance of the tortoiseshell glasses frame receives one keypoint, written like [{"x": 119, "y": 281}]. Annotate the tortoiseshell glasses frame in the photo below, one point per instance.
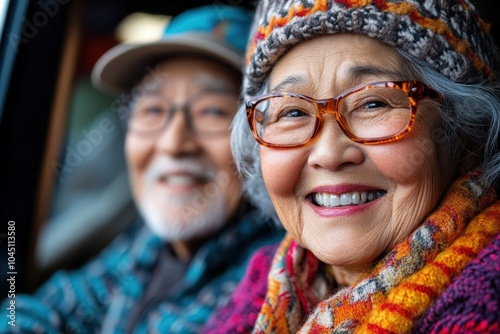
[{"x": 357, "y": 109}]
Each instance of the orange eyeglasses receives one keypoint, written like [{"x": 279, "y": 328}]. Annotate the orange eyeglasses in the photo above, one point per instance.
[{"x": 376, "y": 113}]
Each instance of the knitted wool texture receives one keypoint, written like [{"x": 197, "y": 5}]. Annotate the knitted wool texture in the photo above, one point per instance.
[
  {"x": 414, "y": 295},
  {"x": 448, "y": 35},
  {"x": 471, "y": 303},
  {"x": 399, "y": 288}
]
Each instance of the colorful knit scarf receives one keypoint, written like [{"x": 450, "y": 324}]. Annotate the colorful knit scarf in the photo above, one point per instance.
[{"x": 396, "y": 290}]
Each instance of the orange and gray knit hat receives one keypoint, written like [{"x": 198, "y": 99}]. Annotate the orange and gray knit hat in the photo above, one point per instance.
[{"x": 449, "y": 35}]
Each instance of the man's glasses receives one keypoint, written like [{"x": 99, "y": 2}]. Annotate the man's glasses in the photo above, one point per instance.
[
  {"x": 208, "y": 113},
  {"x": 377, "y": 113}
]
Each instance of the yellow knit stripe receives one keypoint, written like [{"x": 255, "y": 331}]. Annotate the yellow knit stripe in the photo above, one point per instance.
[{"x": 404, "y": 303}]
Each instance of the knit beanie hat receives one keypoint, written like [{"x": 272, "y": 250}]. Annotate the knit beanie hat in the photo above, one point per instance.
[{"x": 448, "y": 35}]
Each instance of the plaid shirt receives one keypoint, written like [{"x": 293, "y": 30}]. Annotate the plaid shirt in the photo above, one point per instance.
[{"x": 100, "y": 296}]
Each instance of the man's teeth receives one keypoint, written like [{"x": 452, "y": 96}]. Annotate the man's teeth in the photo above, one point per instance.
[
  {"x": 177, "y": 180},
  {"x": 351, "y": 198}
]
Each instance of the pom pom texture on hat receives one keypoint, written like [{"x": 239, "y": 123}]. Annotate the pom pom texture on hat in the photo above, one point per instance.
[{"x": 448, "y": 35}]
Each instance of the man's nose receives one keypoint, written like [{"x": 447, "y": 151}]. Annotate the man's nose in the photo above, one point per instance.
[{"x": 177, "y": 137}]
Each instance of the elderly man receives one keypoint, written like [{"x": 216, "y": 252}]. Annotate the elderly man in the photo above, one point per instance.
[{"x": 186, "y": 255}]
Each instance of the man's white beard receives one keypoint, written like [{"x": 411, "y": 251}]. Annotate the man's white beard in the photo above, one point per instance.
[
  {"x": 199, "y": 223},
  {"x": 188, "y": 217}
]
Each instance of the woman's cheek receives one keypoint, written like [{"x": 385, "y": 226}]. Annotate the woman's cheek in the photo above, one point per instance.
[
  {"x": 281, "y": 170},
  {"x": 411, "y": 160}
]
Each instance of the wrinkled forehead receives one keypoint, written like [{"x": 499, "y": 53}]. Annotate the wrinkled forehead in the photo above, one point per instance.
[
  {"x": 198, "y": 82},
  {"x": 338, "y": 62},
  {"x": 194, "y": 72}
]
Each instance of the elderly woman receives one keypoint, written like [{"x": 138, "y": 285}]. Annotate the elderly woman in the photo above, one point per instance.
[{"x": 371, "y": 128}]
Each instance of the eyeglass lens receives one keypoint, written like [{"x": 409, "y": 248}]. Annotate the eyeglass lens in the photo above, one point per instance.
[
  {"x": 367, "y": 114},
  {"x": 206, "y": 113}
]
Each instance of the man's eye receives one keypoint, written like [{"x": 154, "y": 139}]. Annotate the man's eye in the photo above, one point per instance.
[
  {"x": 153, "y": 110},
  {"x": 214, "y": 111}
]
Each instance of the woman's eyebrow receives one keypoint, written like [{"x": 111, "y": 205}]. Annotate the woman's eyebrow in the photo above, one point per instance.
[
  {"x": 288, "y": 81},
  {"x": 357, "y": 72},
  {"x": 354, "y": 74}
]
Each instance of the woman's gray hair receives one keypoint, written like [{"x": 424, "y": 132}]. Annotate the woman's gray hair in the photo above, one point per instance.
[
  {"x": 471, "y": 116},
  {"x": 246, "y": 153}
]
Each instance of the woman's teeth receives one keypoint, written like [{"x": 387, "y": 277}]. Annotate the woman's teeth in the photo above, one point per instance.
[{"x": 351, "y": 198}]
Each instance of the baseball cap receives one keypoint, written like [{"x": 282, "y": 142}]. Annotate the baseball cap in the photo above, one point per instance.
[{"x": 216, "y": 31}]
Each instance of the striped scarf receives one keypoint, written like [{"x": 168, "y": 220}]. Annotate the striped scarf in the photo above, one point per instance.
[{"x": 397, "y": 289}]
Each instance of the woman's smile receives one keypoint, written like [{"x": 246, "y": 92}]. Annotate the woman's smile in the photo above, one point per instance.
[
  {"x": 340, "y": 200},
  {"x": 338, "y": 193},
  {"x": 350, "y": 198}
]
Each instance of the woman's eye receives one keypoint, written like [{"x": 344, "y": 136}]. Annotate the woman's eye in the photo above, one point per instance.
[
  {"x": 293, "y": 113},
  {"x": 374, "y": 104},
  {"x": 289, "y": 114}
]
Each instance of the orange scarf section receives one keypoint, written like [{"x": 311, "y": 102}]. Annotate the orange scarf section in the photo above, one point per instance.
[
  {"x": 400, "y": 287},
  {"x": 414, "y": 295}
]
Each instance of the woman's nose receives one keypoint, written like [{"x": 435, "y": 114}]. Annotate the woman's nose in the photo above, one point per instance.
[{"x": 332, "y": 149}]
